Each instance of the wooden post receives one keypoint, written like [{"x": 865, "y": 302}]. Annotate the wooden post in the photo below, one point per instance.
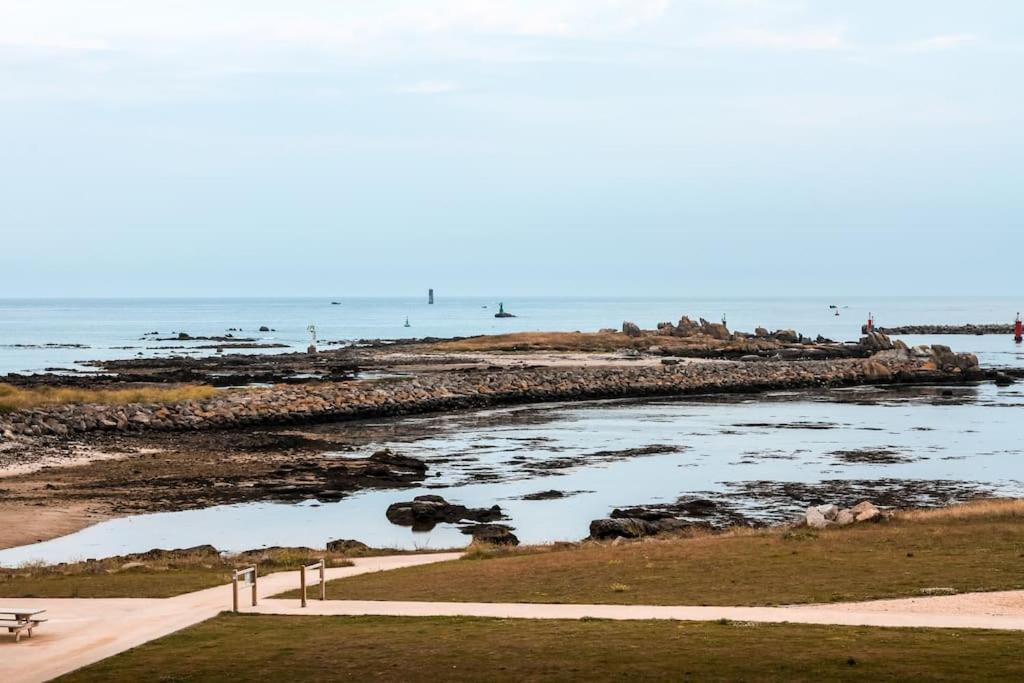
[
  {"x": 302, "y": 584},
  {"x": 234, "y": 593},
  {"x": 254, "y": 574},
  {"x": 323, "y": 582}
]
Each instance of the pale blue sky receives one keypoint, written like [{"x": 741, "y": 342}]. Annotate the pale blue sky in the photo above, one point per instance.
[{"x": 705, "y": 147}]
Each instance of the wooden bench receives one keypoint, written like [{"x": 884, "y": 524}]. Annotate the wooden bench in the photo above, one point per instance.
[{"x": 18, "y": 620}]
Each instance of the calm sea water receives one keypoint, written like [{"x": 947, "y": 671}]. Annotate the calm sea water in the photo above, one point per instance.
[{"x": 105, "y": 327}]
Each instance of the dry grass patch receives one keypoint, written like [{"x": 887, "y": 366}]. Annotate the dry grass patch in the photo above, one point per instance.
[
  {"x": 974, "y": 548},
  {"x": 269, "y": 648},
  {"x": 19, "y": 398}
]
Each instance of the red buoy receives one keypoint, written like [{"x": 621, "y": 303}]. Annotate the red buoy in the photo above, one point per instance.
[
  {"x": 871, "y": 322},
  {"x": 1017, "y": 336}
]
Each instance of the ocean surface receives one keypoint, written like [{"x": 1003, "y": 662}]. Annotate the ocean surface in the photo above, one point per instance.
[{"x": 37, "y": 334}]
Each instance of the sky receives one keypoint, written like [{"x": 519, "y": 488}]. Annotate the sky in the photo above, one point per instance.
[{"x": 555, "y": 147}]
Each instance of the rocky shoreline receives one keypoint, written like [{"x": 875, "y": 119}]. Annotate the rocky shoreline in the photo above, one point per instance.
[{"x": 479, "y": 388}]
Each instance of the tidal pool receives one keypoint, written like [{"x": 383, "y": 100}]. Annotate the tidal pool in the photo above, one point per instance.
[{"x": 763, "y": 456}]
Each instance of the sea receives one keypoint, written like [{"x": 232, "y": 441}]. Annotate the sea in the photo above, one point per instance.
[
  {"x": 763, "y": 455},
  {"x": 38, "y": 335}
]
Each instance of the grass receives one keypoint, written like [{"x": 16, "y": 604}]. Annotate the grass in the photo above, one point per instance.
[
  {"x": 976, "y": 547},
  {"x": 250, "y": 648},
  {"x": 20, "y": 398},
  {"x": 159, "y": 576}
]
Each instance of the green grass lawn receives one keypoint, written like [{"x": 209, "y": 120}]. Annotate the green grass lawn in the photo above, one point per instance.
[
  {"x": 974, "y": 548},
  {"x": 277, "y": 648},
  {"x": 161, "y": 576}
]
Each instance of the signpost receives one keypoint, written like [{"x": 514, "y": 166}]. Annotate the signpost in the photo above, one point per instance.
[
  {"x": 247, "y": 575},
  {"x": 319, "y": 567}
]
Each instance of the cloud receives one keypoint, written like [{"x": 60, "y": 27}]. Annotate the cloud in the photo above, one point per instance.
[
  {"x": 761, "y": 39},
  {"x": 950, "y": 41},
  {"x": 429, "y": 88}
]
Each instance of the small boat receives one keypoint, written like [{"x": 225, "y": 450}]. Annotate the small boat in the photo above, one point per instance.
[{"x": 335, "y": 303}]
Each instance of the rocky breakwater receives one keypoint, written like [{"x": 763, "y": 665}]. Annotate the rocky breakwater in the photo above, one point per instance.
[
  {"x": 995, "y": 328},
  {"x": 469, "y": 389}
]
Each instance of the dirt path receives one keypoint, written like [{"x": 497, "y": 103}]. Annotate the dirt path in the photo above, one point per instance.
[
  {"x": 974, "y": 610},
  {"x": 83, "y": 631}
]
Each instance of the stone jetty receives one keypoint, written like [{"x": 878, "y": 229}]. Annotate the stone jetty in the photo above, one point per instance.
[
  {"x": 994, "y": 328},
  {"x": 479, "y": 388}
]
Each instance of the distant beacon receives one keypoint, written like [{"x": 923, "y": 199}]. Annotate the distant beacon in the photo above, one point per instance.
[{"x": 430, "y": 296}]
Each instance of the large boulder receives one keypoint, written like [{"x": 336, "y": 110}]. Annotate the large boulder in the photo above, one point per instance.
[
  {"x": 495, "y": 534},
  {"x": 629, "y": 527},
  {"x": 425, "y": 512},
  {"x": 815, "y": 519},
  {"x": 786, "y": 336},
  {"x": 631, "y": 329},
  {"x": 346, "y": 545},
  {"x": 687, "y": 328},
  {"x": 715, "y": 330},
  {"x": 875, "y": 341},
  {"x": 865, "y": 511}
]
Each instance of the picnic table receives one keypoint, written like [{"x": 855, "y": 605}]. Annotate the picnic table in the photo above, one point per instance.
[{"x": 19, "y": 619}]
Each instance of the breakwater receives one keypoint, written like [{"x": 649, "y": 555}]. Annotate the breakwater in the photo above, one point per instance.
[
  {"x": 994, "y": 328},
  {"x": 451, "y": 390}
]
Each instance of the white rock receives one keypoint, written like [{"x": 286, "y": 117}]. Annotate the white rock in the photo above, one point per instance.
[
  {"x": 844, "y": 517},
  {"x": 868, "y": 516},
  {"x": 863, "y": 506},
  {"x": 828, "y": 511},
  {"x": 815, "y": 519}
]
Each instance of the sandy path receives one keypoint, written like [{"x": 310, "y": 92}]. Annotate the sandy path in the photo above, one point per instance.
[
  {"x": 974, "y": 610},
  {"x": 83, "y": 631}
]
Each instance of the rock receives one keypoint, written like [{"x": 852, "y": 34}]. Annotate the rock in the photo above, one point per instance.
[
  {"x": 495, "y": 534},
  {"x": 346, "y": 545},
  {"x": 844, "y": 518},
  {"x": 786, "y": 336},
  {"x": 761, "y": 333},
  {"x": 654, "y": 350},
  {"x": 814, "y": 519},
  {"x": 603, "y": 529},
  {"x": 876, "y": 372},
  {"x": 866, "y": 511},
  {"x": 715, "y": 330},
  {"x": 686, "y": 328},
  {"x": 828, "y": 511},
  {"x": 132, "y": 565},
  {"x": 876, "y": 341},
  {"x": 631, "y": 329},
  {"x": 544, "y": 495},
  {"x": 425, "y": 512},
  {"x": 264, "y": 328},
  {"x": 389, "y": 457}
]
